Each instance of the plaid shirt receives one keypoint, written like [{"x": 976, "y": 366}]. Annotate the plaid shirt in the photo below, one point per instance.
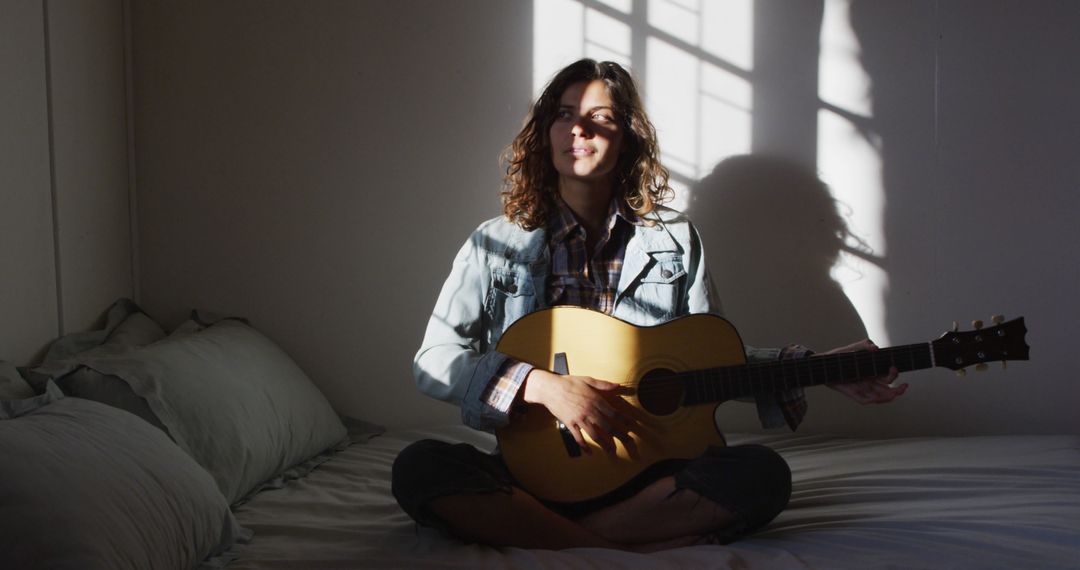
[{"x": 580, "y": 279}]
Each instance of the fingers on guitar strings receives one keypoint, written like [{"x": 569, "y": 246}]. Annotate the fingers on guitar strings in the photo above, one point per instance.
[
  {"x": 599, "y": 435},
  {"x": 579, "y": 437}
]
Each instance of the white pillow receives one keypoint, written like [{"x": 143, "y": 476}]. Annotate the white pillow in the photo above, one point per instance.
[
  {"x": 87, "y": 486},
  {"x": 12, "y": 384},
  {"x": 230, "y": 398}
]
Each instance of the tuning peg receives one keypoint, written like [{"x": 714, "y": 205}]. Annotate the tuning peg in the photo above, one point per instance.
[
  {"x": 955, "y": 326},
  {"x": 998, "y": 319},
  {"x": 1004, "y": 364},
  {"x": 961, "y": 372},
  {"x": 981, "y": 367},
  {"x": 976, "y": 324}
]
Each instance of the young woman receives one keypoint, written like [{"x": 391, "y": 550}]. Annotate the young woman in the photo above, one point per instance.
[{"x": 583, "y": 225}]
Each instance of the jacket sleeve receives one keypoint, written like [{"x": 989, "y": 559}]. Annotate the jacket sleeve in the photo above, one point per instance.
[{"x": 450, "y": 365}]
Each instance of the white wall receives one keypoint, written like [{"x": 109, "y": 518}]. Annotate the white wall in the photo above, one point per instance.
[
  {"x": 314, "y": 169},
  {"x": 973, "y": 117},
  {"x": 64, "y": 213},
  {"x": 28, "y": 304}
]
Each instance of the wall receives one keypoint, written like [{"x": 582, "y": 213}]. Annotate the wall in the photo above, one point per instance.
[
  {"x": 64, "y": 207},
  {"x": 972, "y": 119},
  {"x": 315, "y": 169}
]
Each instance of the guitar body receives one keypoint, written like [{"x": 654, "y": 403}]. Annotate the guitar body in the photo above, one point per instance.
[{"x": 537, "y": 451}]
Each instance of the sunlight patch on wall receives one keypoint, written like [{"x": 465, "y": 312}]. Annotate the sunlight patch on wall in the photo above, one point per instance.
[
  {"x": 693, "y": 73},
  {"x": 849, "y": 161},
  {"x": 694, "y": 62},
  {"x": 566, "y": 31},
  {"x": 727, "y": 31}
]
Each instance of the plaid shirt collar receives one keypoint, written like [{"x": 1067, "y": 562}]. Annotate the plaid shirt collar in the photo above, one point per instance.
[{"x": 564, "y": 222}]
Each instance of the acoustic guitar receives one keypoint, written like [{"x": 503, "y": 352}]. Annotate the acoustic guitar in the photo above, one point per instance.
[{"x": 673, "y": 377}]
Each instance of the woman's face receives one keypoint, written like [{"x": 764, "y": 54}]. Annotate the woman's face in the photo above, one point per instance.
[{"x": 586, "y": 137}]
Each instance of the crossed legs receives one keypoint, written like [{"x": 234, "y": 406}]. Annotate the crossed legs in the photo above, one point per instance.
[{"x": 723, "y": 494}]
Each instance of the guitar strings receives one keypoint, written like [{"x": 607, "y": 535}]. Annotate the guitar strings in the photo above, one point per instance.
[{"x": 748, "y": 376}]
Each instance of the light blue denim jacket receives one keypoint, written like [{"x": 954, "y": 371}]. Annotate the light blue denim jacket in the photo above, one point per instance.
[{"x": 499, "y": 275}]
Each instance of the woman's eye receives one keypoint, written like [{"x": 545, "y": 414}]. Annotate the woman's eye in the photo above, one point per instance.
[{"x": 601, "y": 118}]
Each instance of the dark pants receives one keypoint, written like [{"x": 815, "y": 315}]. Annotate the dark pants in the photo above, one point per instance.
[{"x": 751, "y": 481}]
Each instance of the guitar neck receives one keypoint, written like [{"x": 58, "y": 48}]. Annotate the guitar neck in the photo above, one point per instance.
[{"x": 730, "y": 382}]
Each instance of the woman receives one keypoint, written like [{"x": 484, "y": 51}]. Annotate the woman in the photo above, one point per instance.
[{"x": 583, "y": 225}]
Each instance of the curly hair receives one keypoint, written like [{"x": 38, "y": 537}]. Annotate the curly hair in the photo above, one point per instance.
[{"x": 531, "y": 181}]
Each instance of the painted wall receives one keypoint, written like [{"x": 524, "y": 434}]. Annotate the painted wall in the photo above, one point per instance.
[
  {"x": 970, "y": 114},
  {"x": 315, "y": 169},
  {"x": 64, "y": 200}
]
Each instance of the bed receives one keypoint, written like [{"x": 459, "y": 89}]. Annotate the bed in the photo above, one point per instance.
[
  {"x": 971, "y": 502},
  {"x": 114, "y": 455}
]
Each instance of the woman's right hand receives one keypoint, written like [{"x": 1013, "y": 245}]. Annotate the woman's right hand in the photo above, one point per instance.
[{"x": 583, "y": 404}]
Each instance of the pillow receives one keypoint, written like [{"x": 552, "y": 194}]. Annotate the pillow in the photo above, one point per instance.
[
  {"x": 12, "y": 385},
  {"x": 93, "y": 385},
  {"x": 126, "y": 328},
  {"x": 230, "y": 398},
  {"x": 84, "y": 485}
]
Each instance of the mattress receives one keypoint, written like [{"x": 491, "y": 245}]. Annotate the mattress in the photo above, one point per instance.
[{"x": 957, "y": 502}]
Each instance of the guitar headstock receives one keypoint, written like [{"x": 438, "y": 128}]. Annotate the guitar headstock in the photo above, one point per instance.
[{"x": 1002, "y": 342}]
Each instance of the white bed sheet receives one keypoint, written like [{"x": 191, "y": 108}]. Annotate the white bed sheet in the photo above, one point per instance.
[{"x": 972, "y": 502}]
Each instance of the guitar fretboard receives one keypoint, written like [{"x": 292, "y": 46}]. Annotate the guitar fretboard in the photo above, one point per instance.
[{"x": 730, "y": 382}]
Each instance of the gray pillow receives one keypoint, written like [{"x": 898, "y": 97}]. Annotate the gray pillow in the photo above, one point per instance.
[
  {"x": 126, "y": 328},
  {"x": 86, "y": 486},
  {"x": 12, "y": 385},
  {"x": 230, "y": 398},
  {"x": 93, "y": 385}
]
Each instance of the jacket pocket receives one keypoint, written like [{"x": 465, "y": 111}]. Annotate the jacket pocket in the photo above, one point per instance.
[
  {"x": 659, "y": 294},
  {"x": 509, "y": 298},
  {"x": 666, "y": 268}
]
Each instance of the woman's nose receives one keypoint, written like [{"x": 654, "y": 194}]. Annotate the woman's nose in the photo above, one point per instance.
[{"x": 580, "y": 128}]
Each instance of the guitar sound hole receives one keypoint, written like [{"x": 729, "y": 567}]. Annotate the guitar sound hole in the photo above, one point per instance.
[{"x": 660, "y": 392}]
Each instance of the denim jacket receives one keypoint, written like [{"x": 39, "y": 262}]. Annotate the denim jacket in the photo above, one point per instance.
[{"x": 499, "y": 275}]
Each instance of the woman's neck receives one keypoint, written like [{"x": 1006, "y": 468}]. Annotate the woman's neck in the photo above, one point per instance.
[{"x": 589, "y": 201}]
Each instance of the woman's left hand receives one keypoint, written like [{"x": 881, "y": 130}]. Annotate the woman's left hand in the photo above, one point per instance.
[{"x": 873, "y": 390}]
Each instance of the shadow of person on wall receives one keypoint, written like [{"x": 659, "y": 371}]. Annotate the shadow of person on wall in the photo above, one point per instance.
[{"x": 772, "y": 233}]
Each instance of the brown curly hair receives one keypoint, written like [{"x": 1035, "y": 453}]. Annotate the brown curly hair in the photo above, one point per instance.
[{"x": 531, "y": 181}]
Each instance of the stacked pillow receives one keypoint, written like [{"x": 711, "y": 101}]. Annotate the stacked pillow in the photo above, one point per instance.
[
  {"x": 12, "y": 384},
  {"x": 126, "y": 328},
  {"x": 226, "y": 394},
  {"x": 84, "y": 485},
  {"x": 163, "y": 434}
]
